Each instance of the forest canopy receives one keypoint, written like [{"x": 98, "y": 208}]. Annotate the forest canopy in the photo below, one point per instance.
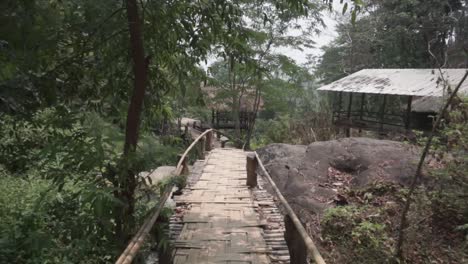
[{"x": 93, "y": 93}]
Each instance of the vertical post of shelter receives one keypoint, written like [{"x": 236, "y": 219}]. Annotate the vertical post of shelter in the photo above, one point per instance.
[
  {"x": 252, "y": 170},
  {"x": 185, "y": 169},
  {"x": 217, "y": 119},
  {"x": 209, "y": 141},
  {"x": 350, "y": 104},
  {"x": 340, "y": 99},
  {"x": 361, "y": 111},
  {"x": 186, "y": 133},
  {"x": 338, "y": 111},
  {"x": 408, "y": 113},
  {"x": 296, "y": 246},
  {"x": 382, "y": 113}
]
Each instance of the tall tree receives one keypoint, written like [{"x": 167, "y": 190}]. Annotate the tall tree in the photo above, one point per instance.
[
  {"x": 398, "y": 34},
  {"x": 127, "y": 181}
]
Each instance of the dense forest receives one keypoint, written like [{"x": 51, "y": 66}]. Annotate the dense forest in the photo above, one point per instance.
[{"x": 92, "y": 94}]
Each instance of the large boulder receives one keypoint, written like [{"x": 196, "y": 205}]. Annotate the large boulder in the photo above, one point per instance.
[{"x": 310, "y": 176}]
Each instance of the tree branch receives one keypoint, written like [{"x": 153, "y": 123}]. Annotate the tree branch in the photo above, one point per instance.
[{"x": 417, "y": 175}]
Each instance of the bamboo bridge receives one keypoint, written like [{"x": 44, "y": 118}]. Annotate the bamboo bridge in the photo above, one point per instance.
[{"x": 226, "y": 215}]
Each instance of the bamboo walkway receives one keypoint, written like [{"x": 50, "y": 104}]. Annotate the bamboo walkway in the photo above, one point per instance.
[{"x": 221, "y": 223}]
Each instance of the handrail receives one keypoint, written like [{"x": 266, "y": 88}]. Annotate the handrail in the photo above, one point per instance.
[
  {"x": 135, "y": 244},
  {"x": 297, "y": 223},
  {"x": 181, "y": 160}
]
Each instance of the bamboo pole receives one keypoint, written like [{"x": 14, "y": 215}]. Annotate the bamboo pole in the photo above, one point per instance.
[
  {"x": 194, "y": 143},
  {"x": 135, "y": 244},
  {"x": 297, "y": 223},
  {"x": 137, "y": 241}
]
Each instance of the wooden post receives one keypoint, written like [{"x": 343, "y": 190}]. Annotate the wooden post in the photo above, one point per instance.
[
  {"x": 340, "y": 99},
  {"x": 186, "y": 133},
  {"x": 296, "y": 246},
  {"x": 408, "y": 113},
  {"x": 251, "y": 170},
  {"x": 209, "y": 141},
  {"x": 382, "y": 113},
  {"x": 185, "y": 169},
  {"x": 350, "y": 104},
  {"x": 361, "y": 112},
  {"x": 202, "y": 148}
]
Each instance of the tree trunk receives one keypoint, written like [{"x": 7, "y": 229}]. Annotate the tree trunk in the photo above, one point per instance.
[
  {"x": 235, "y": 102},
  {"x": 416, "y": 177},
  {"x": 127, "y": 180},
  {"x": 251, "y": 122}
]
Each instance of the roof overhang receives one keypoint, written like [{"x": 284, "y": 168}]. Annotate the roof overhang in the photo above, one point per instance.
[{"x": 409, "y": 82}]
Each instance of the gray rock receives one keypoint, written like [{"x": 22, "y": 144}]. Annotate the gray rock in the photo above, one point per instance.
[{"x": 302, "y": 172}]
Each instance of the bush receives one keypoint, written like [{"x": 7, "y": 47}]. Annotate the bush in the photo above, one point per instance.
[
  {"x": 348, "y": 228},
  {"x": 56, "y": 185},
  {"x": 449, "y": 205},
  {"x": 39, "y": 224},
  {"x": 338, "y": 222}
]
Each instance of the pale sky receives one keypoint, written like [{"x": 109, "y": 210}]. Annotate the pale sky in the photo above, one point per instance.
[{"x": 326, "y": 35}]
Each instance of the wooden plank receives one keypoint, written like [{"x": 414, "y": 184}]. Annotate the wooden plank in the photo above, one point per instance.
[{"x": 224, "y": 227}]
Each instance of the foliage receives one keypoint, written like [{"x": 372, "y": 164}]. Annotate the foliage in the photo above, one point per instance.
[
  {"x": 365, "y": 239},
  {"x": 449, "y": 195},
  {"x": 65, "y": 73},
  {"x": 339, "y": 221},
  {"x": 42, "y": 225},
  {"x": 398, "y": 34},
  {"x": 56, "y": 202}
]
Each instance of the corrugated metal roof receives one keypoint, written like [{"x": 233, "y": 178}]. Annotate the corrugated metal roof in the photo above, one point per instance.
[{"x": 416, "y": 82}]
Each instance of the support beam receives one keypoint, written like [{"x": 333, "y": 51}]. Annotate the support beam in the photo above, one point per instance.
[
  {"x": 361, "y": 110},
  {"x": 408, "y": 113},
  {"x": 296, "y": 246},
  {"x": 252, "y": 164},
  {"x": 340, "y": 99},
  {"x": 382, "y": 113},
  {"x": 350, "y": 104},
  {"x": 185, "y": 169},
  {"x": 209, "y": 141},
  {"x": 201, "y": 154}
]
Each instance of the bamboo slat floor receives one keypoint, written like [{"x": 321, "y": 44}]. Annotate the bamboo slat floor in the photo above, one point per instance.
[{"x": 221, "y": 223}]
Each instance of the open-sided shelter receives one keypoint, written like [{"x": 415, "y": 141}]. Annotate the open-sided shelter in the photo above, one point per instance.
[
  {"x": 397, "y": 99},
  {"x": 220, "y": 103}
]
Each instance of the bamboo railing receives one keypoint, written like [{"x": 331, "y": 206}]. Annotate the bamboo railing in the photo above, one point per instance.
[
  {"x": 135, "y": 244},
  {"x": 252, "y": 162}
]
